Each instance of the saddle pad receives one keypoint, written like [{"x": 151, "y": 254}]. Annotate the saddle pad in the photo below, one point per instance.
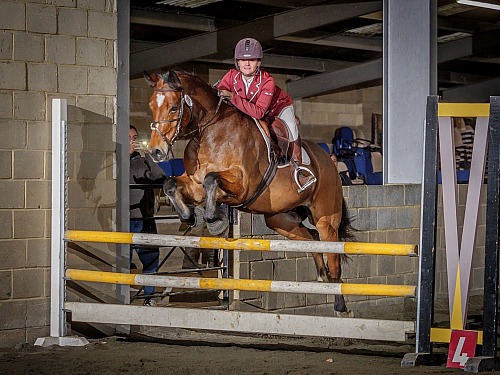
[{"x": 306, "y": 160}]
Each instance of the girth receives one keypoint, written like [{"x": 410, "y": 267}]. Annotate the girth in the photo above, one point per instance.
[{"x": 270, "y": 171}]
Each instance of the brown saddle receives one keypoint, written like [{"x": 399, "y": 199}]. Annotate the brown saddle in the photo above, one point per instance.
[{"x": 277, "y": 131}]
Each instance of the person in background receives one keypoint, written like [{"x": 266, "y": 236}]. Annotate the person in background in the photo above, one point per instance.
[
  {"x": 254, "y": 92},
  {"x": 143, "y": 170},
  {"x": 343, "y": 173}
]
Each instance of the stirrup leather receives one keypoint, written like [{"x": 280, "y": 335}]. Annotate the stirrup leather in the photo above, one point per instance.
[{"x": 297, "y": 169}]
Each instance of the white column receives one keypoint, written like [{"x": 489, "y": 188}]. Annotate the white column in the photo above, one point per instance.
[{"x": 410, "y": 50}]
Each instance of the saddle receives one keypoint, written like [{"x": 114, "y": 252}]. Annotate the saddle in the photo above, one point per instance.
[{"x": 277, "y": 131}]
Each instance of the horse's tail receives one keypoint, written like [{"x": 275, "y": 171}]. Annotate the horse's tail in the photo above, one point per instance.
[{"x": 346, "y": 231}]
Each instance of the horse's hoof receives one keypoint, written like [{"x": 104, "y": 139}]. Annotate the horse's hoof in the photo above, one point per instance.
[
  {"x": 339, "y": 304},
  {"x": 199, "y": 221},
  {"x": 344, "y": 314},
  {"x": 219, "y": 226}
]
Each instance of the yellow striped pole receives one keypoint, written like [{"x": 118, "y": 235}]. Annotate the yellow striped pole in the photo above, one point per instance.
[
  {"x": 242, "y": 243},
  {"x": 242, "y": 284}
]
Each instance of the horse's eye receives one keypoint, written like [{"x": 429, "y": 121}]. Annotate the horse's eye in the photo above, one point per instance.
[{"x": 173, "y": 109}]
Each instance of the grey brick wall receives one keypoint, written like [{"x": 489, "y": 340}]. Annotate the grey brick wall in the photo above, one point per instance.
[{"x": 62, "y": 49}]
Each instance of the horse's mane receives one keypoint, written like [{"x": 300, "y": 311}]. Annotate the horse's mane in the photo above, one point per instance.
[
  {"x": 175, "y": 84},
  {"x": 179, "y": 80}
]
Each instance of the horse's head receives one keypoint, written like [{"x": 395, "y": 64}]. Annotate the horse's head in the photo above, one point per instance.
[{"x": 171, "y": 108}]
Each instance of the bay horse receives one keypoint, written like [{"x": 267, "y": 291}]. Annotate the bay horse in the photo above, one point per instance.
[{"x": 227, "y": 162}]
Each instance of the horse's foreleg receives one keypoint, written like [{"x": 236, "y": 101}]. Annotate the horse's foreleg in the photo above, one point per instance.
[
  {"x": 186, "y": 214},
  {"x": 216, "y": 219}
]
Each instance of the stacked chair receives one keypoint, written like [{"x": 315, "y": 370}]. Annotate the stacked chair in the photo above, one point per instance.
[{"x": 356, "y": 154}]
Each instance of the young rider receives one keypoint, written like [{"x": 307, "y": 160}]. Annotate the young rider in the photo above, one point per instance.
[{"x": 254, "y": 92}]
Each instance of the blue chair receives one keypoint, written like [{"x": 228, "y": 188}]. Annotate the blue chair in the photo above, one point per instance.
[
  {"x": 364, "y": 167},
  {"x": 173, "y": 167},
  {"x": 343, "y": 142},
  {"x": 325, "y": 147},
  {"x": 462, "y": 176}
]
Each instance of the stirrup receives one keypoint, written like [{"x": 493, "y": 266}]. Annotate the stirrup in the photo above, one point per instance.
[{"x": 297, "y": 169}]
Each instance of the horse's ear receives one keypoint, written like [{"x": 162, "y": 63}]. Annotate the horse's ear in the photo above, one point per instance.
[
  {"x": 151, "y": 79},
  {"x": 173, "y": 79}
]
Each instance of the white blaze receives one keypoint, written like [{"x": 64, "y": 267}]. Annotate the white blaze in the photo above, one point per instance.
[{"x": 159, "y": 99}]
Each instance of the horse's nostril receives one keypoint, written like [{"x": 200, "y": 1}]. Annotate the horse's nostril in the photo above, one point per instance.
[{"x": 157, "y": 154}]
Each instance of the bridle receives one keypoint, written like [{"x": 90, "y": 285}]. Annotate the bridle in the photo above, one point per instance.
[
  {"x": 185, "y": 99},
  {"x": 154, "y": 125}
]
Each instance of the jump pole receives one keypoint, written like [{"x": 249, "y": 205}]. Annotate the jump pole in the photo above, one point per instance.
[
  {"x": 246, "y": 322},
  {"x": 242, "y": 284},
  {"x": 163, "y": 240}
]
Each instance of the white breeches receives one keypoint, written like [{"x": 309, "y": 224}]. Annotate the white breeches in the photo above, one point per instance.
[{"x": 288, "y": 116}]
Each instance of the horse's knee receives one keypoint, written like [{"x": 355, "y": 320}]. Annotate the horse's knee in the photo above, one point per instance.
[{"x": 211, "y": 180}]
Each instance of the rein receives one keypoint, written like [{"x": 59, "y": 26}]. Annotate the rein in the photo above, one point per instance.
[
  {"x": 184, "y": 99},
  {"x": 202, "y": 128}
]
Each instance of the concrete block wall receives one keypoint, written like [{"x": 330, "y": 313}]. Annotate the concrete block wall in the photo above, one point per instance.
[
  {"x": 50, "y": 49},
  {"x": 320, "y": 116}
]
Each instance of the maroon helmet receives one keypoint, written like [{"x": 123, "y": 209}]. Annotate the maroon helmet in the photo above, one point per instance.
[{"x": 247, "y": 48}]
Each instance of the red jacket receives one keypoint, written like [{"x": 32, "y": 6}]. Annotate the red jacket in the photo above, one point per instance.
[{"x": 263, "y": 98}]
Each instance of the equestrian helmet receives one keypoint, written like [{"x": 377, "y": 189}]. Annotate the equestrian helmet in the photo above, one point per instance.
[{"x": 247, "y": 48}]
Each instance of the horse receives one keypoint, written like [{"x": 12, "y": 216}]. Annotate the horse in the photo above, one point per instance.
[{"x": 227, "y": 161}]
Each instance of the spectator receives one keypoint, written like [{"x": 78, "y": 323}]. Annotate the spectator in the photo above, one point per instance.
[
  {"x": 343, "y": 172},
  {"x": 143, "y": 170}
]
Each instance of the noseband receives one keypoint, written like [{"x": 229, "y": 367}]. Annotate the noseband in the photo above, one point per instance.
[{"x": 155, "y": 125}]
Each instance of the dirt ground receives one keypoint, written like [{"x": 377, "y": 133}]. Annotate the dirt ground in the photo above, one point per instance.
[{"x": 115, "y": 355}]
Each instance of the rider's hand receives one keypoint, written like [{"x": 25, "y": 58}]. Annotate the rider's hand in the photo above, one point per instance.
[{"x": 226, "y": 94}]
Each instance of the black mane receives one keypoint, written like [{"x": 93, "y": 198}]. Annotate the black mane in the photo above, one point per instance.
[{"x": 172, "y": 79}]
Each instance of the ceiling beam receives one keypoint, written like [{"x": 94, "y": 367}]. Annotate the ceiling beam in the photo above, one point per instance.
[
  {"x": 323, "y": 83},
  {"x": 344, "y": 41},
  {"x": 461, "y": 24},
  {"x": 282, "y": 3},
  {"x": 270, "y": 60},
  {"x": 264, "y": 29},
  {"x": 476, "y": 92},
  {"x": 290, "y": 63},
  {"x": 173, "y": 20},
  {"x": 459, "y": 78},
  {"x": 454, "y": 50}
]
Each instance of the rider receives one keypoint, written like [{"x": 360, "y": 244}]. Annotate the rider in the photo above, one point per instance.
[{"x": 254, "y": 92}]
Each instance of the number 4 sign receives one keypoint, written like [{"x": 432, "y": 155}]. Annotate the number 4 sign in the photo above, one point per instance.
[{"x": 462, "y": 347}]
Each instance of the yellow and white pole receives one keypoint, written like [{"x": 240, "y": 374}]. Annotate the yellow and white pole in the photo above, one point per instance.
[
  {"x": 242, "y": 243},
  {"x": 242, "y": 284}
]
